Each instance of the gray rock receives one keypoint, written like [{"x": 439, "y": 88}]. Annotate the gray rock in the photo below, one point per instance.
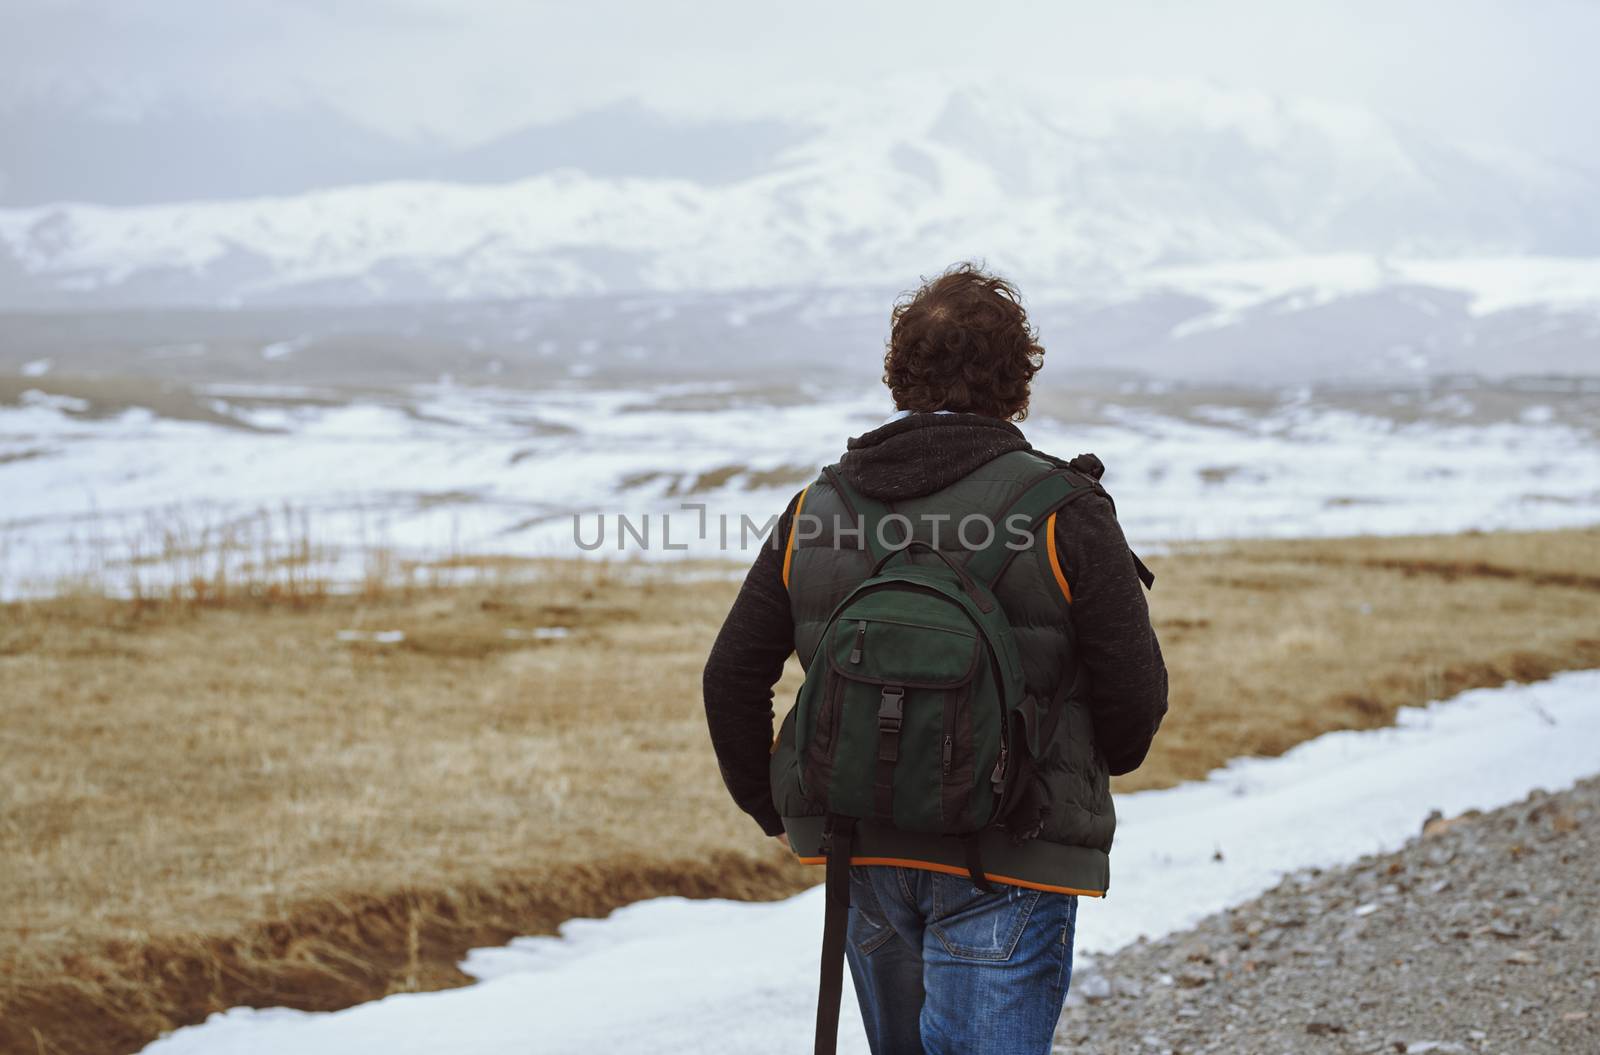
[{"x": 1482, "y": 936}]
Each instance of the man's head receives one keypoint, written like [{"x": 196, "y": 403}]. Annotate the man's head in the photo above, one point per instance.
[{"x": 962, "y": 342}]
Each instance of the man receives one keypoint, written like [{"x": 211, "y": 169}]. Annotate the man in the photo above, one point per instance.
[{"x": 939, "y": 964}]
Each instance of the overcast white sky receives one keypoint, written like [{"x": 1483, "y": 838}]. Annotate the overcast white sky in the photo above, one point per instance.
[{"x": 1494, "y": 70}]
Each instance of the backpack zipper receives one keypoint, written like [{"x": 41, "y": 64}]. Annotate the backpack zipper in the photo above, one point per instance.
[
  {"x": 861, "y": 641},
  {"x": 949, "y": 752}
]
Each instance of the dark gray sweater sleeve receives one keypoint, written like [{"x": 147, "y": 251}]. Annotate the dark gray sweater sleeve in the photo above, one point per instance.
[
  {"x": 1111, "y": 621},
  {"x": 745, "y": 663}
]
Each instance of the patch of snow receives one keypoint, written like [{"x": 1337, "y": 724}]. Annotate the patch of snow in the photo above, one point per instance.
[
  {"x": 35, "y": 368},
  {"x": 379, "y": 637},
  {"x": 284, "y": 349},
  {"x": 457, "y": 470},
  {"x": 672, "y": 975},
  {"x": 538, "y": 633},
  {"x": 32, "y": 397}
]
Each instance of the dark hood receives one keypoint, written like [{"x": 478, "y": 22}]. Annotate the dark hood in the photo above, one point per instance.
[{"x": 924, "y": 453}]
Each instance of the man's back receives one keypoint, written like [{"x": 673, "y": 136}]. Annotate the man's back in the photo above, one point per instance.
[
  {"x": 1074, "y": 602},
  {"x": 1078, "y": 600}
]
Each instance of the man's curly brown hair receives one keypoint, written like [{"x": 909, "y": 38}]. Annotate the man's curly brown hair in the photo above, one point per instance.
[{"x": 962, "y": 342}]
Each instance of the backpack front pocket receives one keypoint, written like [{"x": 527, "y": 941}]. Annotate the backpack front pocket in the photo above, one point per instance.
[
  {"x": 902, "y": 717},
  {"x": 893, "y": 736},
  {"x": 931, "y": 652}
]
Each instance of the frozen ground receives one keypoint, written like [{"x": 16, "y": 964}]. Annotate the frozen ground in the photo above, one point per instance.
[
  {"x": 91, "y": 483},
  {"x": 672, "y": 975}
]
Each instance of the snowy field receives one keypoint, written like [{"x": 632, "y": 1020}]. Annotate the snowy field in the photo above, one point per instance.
[
  {"x": 673, "y": 975},
  {"x": 445, "y": 470}
]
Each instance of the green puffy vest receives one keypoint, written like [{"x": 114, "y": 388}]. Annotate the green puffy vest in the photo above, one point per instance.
[{"x": 1071, "y": 817}]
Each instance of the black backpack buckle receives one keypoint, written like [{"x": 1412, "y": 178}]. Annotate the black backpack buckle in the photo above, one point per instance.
[{"x": 891, "y": 708}]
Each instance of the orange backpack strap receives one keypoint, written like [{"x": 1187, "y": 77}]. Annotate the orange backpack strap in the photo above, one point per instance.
[
  {"x": 788, "y": 546},
  {"x": 1055, "y": 561}
]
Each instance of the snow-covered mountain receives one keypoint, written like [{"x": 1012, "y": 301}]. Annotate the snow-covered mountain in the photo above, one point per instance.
[
  {"x": 88, "y": 148},
  {"x": 1073, "y": 194}
]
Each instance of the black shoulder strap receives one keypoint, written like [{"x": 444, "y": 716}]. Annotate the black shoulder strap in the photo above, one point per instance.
[
  {"x": 1044, "y": 495},
  {"x": 1014, "y": 525},
  {"x": 1146, "y": 576},
  {"x": 868, "y": 514},
  {"x": 839, "y": 843}
]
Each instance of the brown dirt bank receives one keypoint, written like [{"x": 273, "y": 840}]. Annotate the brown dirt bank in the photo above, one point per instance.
[{"x": 333, "y": 951}]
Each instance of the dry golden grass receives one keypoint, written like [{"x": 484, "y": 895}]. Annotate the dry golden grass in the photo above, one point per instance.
[
  {"x": 1271, "y": 643},
  {"x": 217, "y": 803}
]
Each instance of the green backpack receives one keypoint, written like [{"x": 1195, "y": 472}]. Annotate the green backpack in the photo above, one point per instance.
[
  {"x": 907, "y": 707},
  {"x": 913, "y": 711}
]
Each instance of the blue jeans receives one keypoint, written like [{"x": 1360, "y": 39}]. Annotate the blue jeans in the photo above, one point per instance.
[{"x": 941, "y": 967}]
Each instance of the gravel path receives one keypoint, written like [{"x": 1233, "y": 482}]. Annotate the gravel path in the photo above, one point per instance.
[{"x": 1482, "y": 935}]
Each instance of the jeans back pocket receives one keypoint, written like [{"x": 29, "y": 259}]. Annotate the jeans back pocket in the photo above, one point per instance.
[{"x": 973, "y": 925}]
